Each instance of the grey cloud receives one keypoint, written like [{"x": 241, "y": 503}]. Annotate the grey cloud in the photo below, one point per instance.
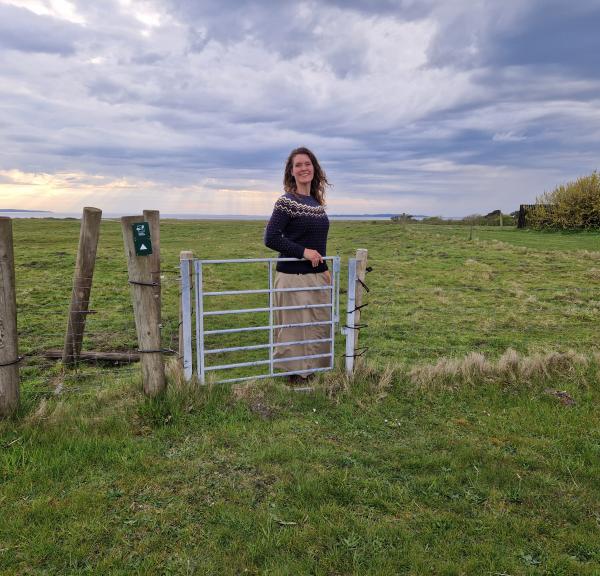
[
  {"x": 557, "y": 35},
  {"x": 536, "y": 33},
  {"x": 147, "y": 59},
  {"x": 25, "y": 31},
  {"x": 283, "y": 27},
  {"x": 109, "y": 91}
]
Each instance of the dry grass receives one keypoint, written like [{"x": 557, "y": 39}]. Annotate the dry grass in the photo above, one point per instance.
[
  {"x": 370, "y": 378},
  {"x": 510, "y": 368},
  {"x": 593, "y": 274},
  {"x": 478, "y": 270},
  {"x": 265, "y": 399},
  {"x": 589, "y": 254},
  {"x": 174, "y": 374}
]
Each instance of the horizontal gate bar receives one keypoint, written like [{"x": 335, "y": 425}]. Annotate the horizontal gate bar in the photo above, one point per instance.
[
  {"x": 277, "y": 374},
  {"x": 252, "y": 328},
  {"x": 266, "y": 291},
  {"x": 262, "y": 346},
  {"x": 262, "y": 362},
  {"x": 249, "y": 260},
  {"x": 249, "y": 310}
]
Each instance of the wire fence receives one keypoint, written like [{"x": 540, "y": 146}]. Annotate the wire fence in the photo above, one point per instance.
[
  {"x": 109, "y": 344},
  {"x": 413, "y": 315}
]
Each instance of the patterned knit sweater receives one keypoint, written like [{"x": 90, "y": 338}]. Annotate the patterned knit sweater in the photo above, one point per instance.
[{"x": 297, "y": 222}]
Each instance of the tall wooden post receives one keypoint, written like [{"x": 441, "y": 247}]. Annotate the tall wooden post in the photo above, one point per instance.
[
  {"x": 361, "y": 271},
  {"x": 146, "y": 311},
  {"x": 82, "y": 283},
  {"x": 153, "y": 218},
  {"x": 9, "y": 359},
  {"x": 184, "y": 255}
]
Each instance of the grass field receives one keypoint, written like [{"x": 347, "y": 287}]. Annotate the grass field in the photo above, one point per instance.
[{"x": 468, "y": 443}]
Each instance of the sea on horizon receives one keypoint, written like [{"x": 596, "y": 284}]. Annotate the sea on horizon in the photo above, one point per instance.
[{"x": 109, "y": 216}]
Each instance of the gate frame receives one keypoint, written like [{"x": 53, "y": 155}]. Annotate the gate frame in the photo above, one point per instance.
[{"x": 200, "y": 314}]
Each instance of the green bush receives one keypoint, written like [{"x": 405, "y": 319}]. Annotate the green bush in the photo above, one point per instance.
[
  {"x": 433, "y": 220},
  {"x": 572, "y": 206}
]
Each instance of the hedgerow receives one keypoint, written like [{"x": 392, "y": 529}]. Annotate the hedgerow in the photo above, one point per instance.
[{"x": 571, "y": 206}]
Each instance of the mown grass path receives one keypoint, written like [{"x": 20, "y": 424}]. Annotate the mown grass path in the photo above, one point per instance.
[{"x": 483, "y": 472}]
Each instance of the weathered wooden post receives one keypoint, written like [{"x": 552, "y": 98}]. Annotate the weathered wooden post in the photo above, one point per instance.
[
  {"x": 153, "y": 218},
  {"x": 9, "y": 352},
  {"x": 361, "y": 271},
  {"x": 145, "y": 303},
  {"x": 82, "y": 283},
  {"x": 186, "y": 258}
]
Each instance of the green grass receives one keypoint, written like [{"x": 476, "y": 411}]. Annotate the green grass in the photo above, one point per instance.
[{"x": 445, "y": 454}]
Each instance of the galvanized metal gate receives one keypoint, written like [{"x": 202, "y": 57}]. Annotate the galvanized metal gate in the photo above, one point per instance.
[{"x": 202, "y": 351}]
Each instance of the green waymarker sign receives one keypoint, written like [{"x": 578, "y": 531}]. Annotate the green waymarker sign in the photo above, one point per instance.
[{"x": 141, "y": 238}]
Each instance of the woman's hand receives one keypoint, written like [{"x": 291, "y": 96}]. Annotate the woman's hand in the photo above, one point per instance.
[{"x": 313, "y": 256}]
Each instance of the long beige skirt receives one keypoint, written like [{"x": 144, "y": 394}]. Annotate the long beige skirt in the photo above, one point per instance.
[{"x": 293, "y": 334}]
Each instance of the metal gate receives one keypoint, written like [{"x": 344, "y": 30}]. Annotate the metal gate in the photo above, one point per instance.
[{"x": 202, "y": 335}]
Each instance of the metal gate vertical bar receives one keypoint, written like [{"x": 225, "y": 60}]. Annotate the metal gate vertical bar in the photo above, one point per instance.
[
  {"x": 334, "y": 307},
  {"x": 270, "y": 318},
  {"x": 199, "y": 321},
  {"x": 350, "y": 328},
  {"x": 337, "y": 289},
  {"x": 335, "y": 297},
  {"x": 186, "y": 318},
  {"x": 332, "y": 328}
]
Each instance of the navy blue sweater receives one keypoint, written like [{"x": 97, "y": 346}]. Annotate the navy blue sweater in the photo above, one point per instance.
[{"x": 297, "y": 222}]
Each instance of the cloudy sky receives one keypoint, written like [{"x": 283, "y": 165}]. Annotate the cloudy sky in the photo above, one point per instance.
[{"x": 421, "y": 106}]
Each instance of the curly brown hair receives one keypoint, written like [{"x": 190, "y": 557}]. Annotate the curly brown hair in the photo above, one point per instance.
[{"x": 319, "y": 181}]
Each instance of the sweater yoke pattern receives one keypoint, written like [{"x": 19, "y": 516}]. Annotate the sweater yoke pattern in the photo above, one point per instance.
[{"x": 294, "y": 208}]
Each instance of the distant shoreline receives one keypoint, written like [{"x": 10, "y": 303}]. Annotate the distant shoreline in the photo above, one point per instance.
[
  {"x": 48, "y": 214},
  {"x": 166, "y": 216},
  {"x": 70, "y": 216},
  {"x": 27, "y": 211}
]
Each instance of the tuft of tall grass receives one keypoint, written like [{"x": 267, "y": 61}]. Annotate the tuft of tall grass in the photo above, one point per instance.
[{"x": 511, "y": 368}]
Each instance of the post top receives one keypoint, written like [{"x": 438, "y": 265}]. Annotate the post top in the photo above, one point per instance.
[{"x": 128, "y": 219}]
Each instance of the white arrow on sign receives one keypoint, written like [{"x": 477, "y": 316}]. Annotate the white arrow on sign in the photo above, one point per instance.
[{"x": 143, "y": 247}]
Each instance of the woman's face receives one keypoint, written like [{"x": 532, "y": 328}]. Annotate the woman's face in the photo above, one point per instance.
[{"x": 302, "y": 169}]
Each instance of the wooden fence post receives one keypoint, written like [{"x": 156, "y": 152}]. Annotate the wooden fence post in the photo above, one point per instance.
[
  {"x": 153, "y": 218},
  {"x": 361, "y": 271},
  {"x": 184, "y": 255},
  {"x": 9, "y": 352},
  {"x": 146, "y": 311},
  {"x": 82, "y": 283}
]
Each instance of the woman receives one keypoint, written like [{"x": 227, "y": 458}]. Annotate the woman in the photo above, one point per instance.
[{"x": 298, "y": 229}]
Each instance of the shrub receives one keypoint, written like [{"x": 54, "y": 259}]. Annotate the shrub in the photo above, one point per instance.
[
  {"x": 403, "y": 218},
  {"x": 572, "y": 206},
  {"x": 433, "y": 220}
]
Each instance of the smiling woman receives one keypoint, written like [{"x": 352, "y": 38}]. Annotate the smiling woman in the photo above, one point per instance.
[{"x": 298, "y": 229}]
